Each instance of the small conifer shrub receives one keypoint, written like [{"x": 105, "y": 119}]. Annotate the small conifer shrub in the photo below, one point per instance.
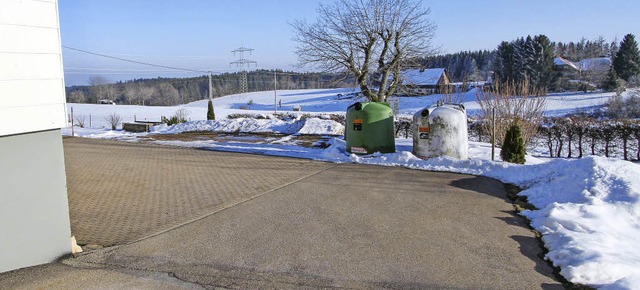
[
  {"x": 211, "y": 115},
  {"x": 513, "y": 150}
]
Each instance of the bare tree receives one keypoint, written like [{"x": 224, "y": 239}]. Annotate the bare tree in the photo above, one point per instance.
[
  {"x": 77, "y": 97},
  {"x": 371, "y": 39},
  {"x": 146, "y": 93},
  {"x": 98, "y": 86},
  {"x": 170, "y": 95},
  {"x": 131, "y": 92},
  {"x": 113, "y": 119}
]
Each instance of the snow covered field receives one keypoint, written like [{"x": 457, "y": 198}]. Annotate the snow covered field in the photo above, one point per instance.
[{"x": 589, "y": 208}]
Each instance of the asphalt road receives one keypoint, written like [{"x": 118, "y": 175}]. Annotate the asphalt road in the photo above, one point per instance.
[{"x": 320, "y": 225}]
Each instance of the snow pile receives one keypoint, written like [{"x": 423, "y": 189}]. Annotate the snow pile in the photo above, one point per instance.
[
  {"x": 315, "y": 126},
  {"x": 590, "y": 218},
  {"x": 250, "y": 125}
]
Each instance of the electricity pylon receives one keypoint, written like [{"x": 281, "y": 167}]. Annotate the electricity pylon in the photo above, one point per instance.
[{"x": 243, "y": 63}]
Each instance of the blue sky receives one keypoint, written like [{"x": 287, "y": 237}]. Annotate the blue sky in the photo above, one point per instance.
[{"x": 200, "y": 34}]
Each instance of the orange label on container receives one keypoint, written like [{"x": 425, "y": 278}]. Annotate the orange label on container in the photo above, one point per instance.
[
  {"x": 424, "y": 129},
  {"x": 358, "y": 121}
]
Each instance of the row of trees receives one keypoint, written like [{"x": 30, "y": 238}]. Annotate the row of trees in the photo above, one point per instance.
[
  {"x": 173, "y": 91},
  {"x": 583, "y": 49},
  {"x": 479, "y": 65},
  {"x": 578, "y": 136}
]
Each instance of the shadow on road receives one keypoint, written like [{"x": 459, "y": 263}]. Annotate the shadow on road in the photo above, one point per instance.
[
  {"x": 482, "y": 185},
  {"x": 532, "y": 249}
]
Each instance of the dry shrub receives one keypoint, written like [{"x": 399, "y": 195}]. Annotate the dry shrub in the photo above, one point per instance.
[
  {"x": 80, "y": 120},
  {"x": 512, "y": 101},
  {"x": 113, "y": 119}
]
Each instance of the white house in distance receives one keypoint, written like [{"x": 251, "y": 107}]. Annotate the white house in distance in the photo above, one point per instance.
[{"x": 34, "y": 210}]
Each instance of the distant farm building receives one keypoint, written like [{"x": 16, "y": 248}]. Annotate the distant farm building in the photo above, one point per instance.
[
  {"x": 106, "y": 102},
  {"x": 586, "y": 74},
  {"x": 419, "y": 82},
  {"x": 600, "y": 64},
  {"x": 567, "y": 70}
]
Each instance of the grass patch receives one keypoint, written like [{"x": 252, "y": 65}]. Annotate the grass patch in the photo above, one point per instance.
[{"x": 520, "y": 202}]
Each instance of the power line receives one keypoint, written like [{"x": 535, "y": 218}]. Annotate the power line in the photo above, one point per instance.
[
  {"x": 242, "y": 60},
  {"x": 123, "y": 70},
  {"x": 134, "y": 61}
]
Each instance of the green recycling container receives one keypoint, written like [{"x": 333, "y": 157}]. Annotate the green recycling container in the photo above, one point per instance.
[{"x": 370, "y": 128}]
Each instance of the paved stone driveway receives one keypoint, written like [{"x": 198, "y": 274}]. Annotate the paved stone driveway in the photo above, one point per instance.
[{"x": 120, "y": 193}]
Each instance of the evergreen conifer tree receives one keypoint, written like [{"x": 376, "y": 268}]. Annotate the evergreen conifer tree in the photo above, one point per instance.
[
  {"x": 611, "y": 82},
  {"x": 513, "y": 150},
  {"x": 503, "y": 65},
  {"x": 210, "y": 113},
  {"x": 530, "y": 58},
  {"x": 543, "y": 74},
  {"x": 627, "y": 60}
]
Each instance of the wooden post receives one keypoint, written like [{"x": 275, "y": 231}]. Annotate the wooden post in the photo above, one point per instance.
[{"x": 493, "y": 134}]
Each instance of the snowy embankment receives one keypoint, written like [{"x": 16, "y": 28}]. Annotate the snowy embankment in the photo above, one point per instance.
[
  {"x": 588, "y": 209},
  {"x": 312, "y": 126}
]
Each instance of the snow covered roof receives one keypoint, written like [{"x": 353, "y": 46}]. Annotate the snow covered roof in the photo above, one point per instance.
[
  {"x": 599, "y": 63},
  {"x": 426, "y": 77},
  {"x": 563, "y": 62}
]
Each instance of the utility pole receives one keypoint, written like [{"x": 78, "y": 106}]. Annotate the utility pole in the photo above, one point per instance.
[
  {"x": 210, "y": 88},
  {"x": 275, "y": 92},
  {"x": 73, "y": 132},
  {"x": 242, "y": 63}
]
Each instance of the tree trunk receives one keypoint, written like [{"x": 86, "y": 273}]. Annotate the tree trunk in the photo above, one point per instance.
[
  {"x": 579, "y": 145},
  {"x": 569, "y": 145},
  {"x": 624, "y": 148},
  {"x": 550, "y": 144},
  {"x": 560, "y": 143}
]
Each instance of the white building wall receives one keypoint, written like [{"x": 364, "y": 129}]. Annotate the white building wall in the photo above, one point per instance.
[
  {"x": 34, "y": 211},
  {"x": 31, "y": 76}
]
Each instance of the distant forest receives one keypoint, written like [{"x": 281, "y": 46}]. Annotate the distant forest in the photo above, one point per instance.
[
  {"x": 477, "y": 65},
  {"x": 173, "y": 91},
  {"x": 461, "y": 66}
]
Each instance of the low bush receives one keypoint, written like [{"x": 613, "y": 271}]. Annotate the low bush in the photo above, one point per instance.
[{"x": 180, "y": 116}]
